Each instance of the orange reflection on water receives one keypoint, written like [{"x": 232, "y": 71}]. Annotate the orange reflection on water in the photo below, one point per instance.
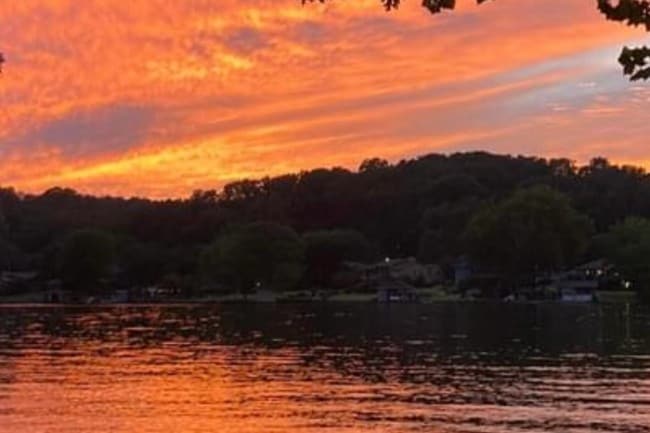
[{"x": 308, "y": 370}]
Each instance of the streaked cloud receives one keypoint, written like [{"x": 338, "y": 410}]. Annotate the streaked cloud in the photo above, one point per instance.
[
  {"x": 77, "y": 134},
  {"x": 158, "y": 98}
]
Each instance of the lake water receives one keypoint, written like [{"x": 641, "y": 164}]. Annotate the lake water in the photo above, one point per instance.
[{"x": 315, "y": 368}]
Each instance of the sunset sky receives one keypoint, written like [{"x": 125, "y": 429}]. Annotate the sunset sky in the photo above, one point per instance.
[{"x": 158, "y": 98}]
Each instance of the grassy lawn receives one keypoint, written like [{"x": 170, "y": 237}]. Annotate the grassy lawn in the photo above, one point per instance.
[
  {"x": 353, "y": 297},
  {"x": 609, "y": 297},
  {"x": 437, "y": 294}
]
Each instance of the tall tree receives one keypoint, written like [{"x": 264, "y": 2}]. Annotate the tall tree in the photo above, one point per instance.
[
  {"x": 534, "y": 230},
  {"x": 326, "y": 250},
  {"x": 86, "y": 258},
  {"x": 256, "y": 254},
  {"x": 627, "y": 245}
]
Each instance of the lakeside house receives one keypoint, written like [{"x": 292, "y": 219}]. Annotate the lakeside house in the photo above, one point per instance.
[
  {"x": 581, "y": 283},
  {"x": 395, "y": 291},
  {"x": 395, "y": 280},
  {"x": 587, "y": 282},
  {"x": 473, "y": 281},
  {"x": 406, "y": 269}
]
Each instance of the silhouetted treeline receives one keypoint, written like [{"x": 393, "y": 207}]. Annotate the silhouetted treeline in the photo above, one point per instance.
[{"x": 420, "y": 207}]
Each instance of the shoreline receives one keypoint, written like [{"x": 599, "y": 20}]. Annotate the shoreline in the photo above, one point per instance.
[
  {"x": 435, "y": 295},
  {"x": 197, "y": 303}
]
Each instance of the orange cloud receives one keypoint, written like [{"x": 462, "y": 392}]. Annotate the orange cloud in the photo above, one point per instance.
[{"x": 157, "y": 98}]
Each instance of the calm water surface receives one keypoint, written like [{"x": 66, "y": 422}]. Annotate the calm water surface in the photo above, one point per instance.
[{"x": 338, "y": 368}]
